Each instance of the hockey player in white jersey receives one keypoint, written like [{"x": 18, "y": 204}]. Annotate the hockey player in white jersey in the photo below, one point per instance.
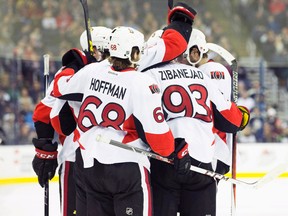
[
  {"x": 192, "y": 105},
  {"x": 72, "y": 61},
  {"x": 112, "y": 100},
  {"x": 197, "y": 55}
]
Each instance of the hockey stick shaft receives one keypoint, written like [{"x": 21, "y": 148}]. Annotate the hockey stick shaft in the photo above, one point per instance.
[
  {"x": 234, "y": 67},
  {"x": 46, "y": 83},
  {"x": 46, "y": 198},
  {"x": 87, "y": 25},
  {"x": 267, "y": 178},
  {"x": 46, "y": 72},
  {"x": 230, "y": 59},
  {"x": 170, "y": 4}
]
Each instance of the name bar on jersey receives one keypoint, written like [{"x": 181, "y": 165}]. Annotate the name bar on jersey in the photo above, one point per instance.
[
  {"x": 180, "y": 73},
  {"x": 108, "y": 88}
]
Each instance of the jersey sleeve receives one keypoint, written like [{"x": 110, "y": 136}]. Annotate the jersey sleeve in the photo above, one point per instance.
[
  {"x": 147, "y": 109},
  {"x": 166, "y": 48},
  {"x": 227, "y": 117},
  {"x": 62, "y": 118}
]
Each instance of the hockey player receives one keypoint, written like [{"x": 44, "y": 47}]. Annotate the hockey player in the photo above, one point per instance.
[
  {"x": 45, "y": 162},
  {"x": 116, "y": 181},
  {"x": 197, "y": 55},
  {"x": 192, "y": 105},
  {"x": 175, "y": 37}
]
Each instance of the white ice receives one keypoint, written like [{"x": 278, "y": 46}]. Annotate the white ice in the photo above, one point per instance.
[{"x": 270, "y": 200}]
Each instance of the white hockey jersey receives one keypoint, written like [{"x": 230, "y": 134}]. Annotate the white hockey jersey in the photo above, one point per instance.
[
  {"x": 190, "y": 102},
  {"x": 221, "y": 77},
  {"x": 123, "y": 106}
]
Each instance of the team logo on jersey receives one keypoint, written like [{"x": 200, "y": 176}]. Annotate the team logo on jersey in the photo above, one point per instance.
[
  {"x": 154, "y": 89},
  {"x": 217, "y": 75},
  {"x": 129, "y": 211}
]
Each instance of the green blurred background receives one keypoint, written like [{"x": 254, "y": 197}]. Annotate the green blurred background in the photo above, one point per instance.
[{"x": 254, "y": 31}]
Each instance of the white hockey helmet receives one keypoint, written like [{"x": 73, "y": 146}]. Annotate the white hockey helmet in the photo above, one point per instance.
[
  {"x": 197, "y": 39},
  {"x": 123, "y": 39},
  {"x": 99, "y": 36}
]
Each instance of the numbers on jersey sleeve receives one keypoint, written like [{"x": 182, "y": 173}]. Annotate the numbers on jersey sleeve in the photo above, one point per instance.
[
  {"x": 185, "y": 103},
  {"x": 158, "y": 115},
  {"x": 108, "y": 110}
]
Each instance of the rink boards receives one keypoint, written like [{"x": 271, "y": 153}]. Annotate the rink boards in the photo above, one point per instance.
[{"x": 253, "y": 161}]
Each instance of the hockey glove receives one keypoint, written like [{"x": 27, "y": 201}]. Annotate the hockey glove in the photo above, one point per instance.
[
  {"x": 181, "y": 157},
  {"x": 76, "y": 59},
  {"x": 245, "y": 116},
  {"x": 183, "y": 13},
  {"x": 45, "y": 161}
]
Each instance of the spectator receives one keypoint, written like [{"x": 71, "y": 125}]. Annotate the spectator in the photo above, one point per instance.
[
  {"x": 246, "y": 136},
  {"x": 246, "y": 100}
]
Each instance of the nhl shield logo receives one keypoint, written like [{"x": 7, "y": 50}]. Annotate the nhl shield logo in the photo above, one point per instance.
[{"x": 129, "y": 211}]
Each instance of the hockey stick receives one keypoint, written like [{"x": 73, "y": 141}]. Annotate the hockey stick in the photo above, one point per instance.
[
  {"x": 46, "y": 72},
  {"x": 87, "y": 25},
  {"x": 46, "y": 83},
  {"x": 170, "y": 4},
  {"x": 230, "y": 59},
  {"x": 257, "y": 184}
]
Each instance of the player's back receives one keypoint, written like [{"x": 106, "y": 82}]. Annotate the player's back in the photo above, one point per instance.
[
  {"x": 119, "y": 105},
  {"x": 186, "y": 105}
]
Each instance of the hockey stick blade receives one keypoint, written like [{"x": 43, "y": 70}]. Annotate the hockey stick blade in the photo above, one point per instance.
[
  {"x": 260, "y": 182},
  {"x": 227, "y": 56},
  {"x": 271, "y": 175}
]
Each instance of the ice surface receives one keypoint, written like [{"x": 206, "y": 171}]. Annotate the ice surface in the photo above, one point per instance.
[{"x": 270, "y": 200}]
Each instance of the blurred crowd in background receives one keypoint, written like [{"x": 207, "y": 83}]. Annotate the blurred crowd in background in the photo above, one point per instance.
[{"x": 30, "y": 29}]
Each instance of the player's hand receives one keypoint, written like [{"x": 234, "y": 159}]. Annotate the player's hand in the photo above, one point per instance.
[
  {"x": 245, "y": 116},
  {"x": 45, "y": 161},
  {"x": 181, "y": 157},
  {"x": 182, "y": 12},
  {"x": 77, "y": 59}
]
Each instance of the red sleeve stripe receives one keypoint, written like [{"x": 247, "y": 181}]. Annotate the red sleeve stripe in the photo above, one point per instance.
[
  {"x": 66, "y": 72},
  {"x": 175, "y": 44},
  {"x": 234, "y": 119},
  {"x": 42, "y": 113},
  {"x": 162, "y": 144}
]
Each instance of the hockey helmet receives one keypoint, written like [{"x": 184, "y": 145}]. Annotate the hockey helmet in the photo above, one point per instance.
[
  {"x": 100, "y": 37},
  {"x": 123, "y": 39},
  {"x": 197, "y": 39}
]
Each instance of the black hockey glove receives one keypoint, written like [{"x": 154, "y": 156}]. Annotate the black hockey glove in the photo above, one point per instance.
[
  {"x": 181, "y": 157},
  {"x": 183, "y": 13},
  {"x": 77, "y": 59},
  {"x": 45, "y": 161}
]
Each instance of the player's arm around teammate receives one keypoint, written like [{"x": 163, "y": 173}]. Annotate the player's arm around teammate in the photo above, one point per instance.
[
  {"x": 191, "y": 102},
  {"x": 197, "y": 54},
  {"x": 113, "y": 96}
]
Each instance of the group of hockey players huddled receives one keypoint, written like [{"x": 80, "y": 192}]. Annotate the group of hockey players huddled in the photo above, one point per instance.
[{"x": 158, "y": 95}]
